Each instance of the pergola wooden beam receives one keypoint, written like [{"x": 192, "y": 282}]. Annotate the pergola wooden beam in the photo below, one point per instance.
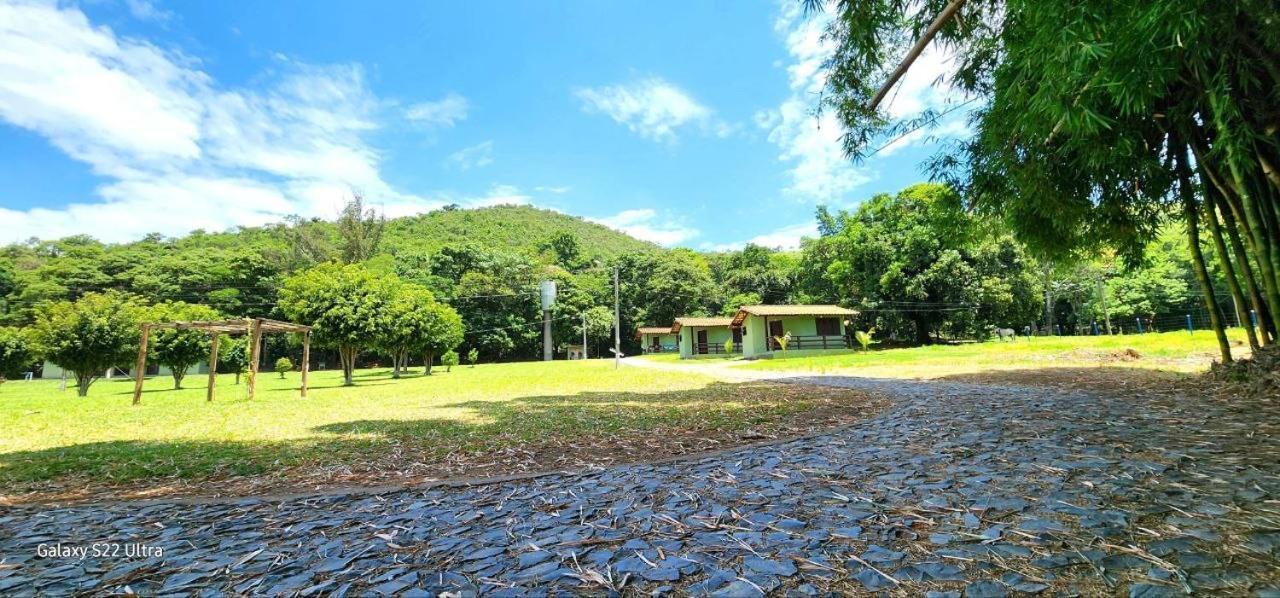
[{"x": 254, "y": 327}]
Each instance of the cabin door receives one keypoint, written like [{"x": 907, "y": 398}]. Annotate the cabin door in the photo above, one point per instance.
[
  {"x": 775, "y": 331},
  {"x": 737, "y": 338},
  {"x": 656, "y": 345},
  {"x": 702, "y": 342}
]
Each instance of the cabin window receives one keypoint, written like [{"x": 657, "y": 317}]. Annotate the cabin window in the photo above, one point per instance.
[{"x": 828, "y": 326}]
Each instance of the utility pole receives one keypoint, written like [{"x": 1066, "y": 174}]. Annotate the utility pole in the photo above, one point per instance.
[
  {"x": 617, "y": 322},
  {"x": 584, "y": 334},
  {"x": 548, "y": 296},
  {"x": 1102, "y": 295}
]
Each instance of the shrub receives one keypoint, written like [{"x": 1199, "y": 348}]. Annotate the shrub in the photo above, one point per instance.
[
  {"x": 473, "y": 356},
  {"x": 283, "y": 365},
  {"x": 449, "y": 359}
]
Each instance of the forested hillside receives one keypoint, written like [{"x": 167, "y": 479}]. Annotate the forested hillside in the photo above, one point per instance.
[
  {"x": 919, "y": 267},
  {"x": 508, "y": 228}
]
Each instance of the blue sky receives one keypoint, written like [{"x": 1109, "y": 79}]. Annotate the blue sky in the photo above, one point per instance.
[{"x": 683, "y": 123}]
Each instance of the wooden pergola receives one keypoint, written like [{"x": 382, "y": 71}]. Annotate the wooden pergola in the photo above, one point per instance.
[{"x": 254, "y": 327}]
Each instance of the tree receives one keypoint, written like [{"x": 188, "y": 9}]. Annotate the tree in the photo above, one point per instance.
[
  {"x": 449, "y": 360},
  {"x": 473, "y": 356},
  {"x": 87, "y": 336},
  {"x": 360, "y": 230},
  {"x": 1099, "y": 120},
  {"x": 233, "y": 355},
  {"x": 16, "y": 353},
  {"x": 442, "y": 335},
  {"x": 919, "y": 266},
  {"x": 417, "y": 323},
  {"x": 283, "y": 366},
  {"x": 8, "y": 284},
  {"x": 599, "y": 324},
  {"x": 407, "y": 323},
  {"x": 345, "y": 304},
  {"x": 176, "y": 349},
  {"x": 566, "y": 249}
]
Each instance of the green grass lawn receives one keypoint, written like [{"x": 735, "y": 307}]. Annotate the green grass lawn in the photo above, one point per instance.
[
  {"x": 1173, "y": 351},
  {"x": 379, "y": 424}
]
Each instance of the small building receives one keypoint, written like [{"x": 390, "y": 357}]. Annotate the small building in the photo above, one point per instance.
[
  {"x": 706, "y": 336},
  {"x": 658, "y": 339},
  {"x": 812, "y": 327},
  {"x": 575, "y": 352}
]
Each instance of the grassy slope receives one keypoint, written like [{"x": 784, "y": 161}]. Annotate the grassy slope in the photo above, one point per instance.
[
  {"x": 176, "y": 433},
  {"x": 1175, "y": 351}
]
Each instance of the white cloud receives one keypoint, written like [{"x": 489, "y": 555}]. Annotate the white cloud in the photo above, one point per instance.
[
  {"x": 558, "y": 190},
  {"x": 444, "y": 112},
  {"x": 179, "y": 151},
  {"x": 475, "y": 156},
  {"x": 809, "y": 144},
  {"x": 652, "y": 108},
  {"x": 644, "y": 224},
  {"x": 146, "y": 10},
  {"x": 787, "y": 237},
  {"x": 499, "y": 195}
]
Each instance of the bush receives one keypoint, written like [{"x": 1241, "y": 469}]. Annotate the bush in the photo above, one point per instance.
[
  {"x": 283, "y": 365},
  {"x": 473, "y": 356},
  {"x": 449, "y": 359}
]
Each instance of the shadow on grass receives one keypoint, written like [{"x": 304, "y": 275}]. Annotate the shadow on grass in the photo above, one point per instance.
[
  {"x": 1112, "y": 378},
  {"x": 486, "y": 425}
]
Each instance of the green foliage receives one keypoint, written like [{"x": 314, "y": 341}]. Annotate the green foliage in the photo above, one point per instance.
[
  {"x": 284, "y": 365},
  {"x": 233, "y": 356},
  {"x": 85, "y": 337},
  {"x": 508, "y": 229},
  {"x": 473, "y": 356},
  {"x": 728, "y": 347},
  {"x": 360, "y": 231},
  {"x": 921, "y": 266},
  {"x": 179, "y": 349},
  {"x": 449, "y": 360},
  {"x": 864, "y": 338},
  {"x": 346, "y": 305},
  {"x": 783, "y": 341},
  {"x": 16, "y": 353},
  {"x": 736, "y": 301}
]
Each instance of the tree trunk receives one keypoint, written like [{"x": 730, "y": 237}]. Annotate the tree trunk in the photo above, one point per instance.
[
  {"x": 1263, "y": 243},
  {"x": 1197, "y": 257},
  {"x": 397, "y": 357},
  {"x": 1228, "y": 270},
  {"x": 178, "y": 375},
  {"x": 348, "y": 355},
  {"x": 82, "y": 384},
  {"x": 237, "y": 377},
  {"x": 922, "y": 332},
  {"x": 1266, "y": 333},
  {"x": 427, "y": 359}
]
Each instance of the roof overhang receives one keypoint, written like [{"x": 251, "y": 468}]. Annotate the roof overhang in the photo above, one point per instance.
[{"x": 790, "y": 310}]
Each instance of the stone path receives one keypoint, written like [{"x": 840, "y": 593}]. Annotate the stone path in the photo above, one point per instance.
[{"x": 957, "y": 490}]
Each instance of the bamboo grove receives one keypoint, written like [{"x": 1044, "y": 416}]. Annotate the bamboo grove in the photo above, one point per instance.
[{"x": 1094, "y": 122}]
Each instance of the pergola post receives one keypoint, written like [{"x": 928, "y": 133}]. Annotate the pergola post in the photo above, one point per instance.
[
  {"x": 306, "y": 360},
  {"x": 213, "y": 366},
  {"x": 140, "y": 366},
  {"x": 255, "y": 350}
]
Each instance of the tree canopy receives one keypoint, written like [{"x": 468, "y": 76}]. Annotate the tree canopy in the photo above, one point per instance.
[{"x": 87, "y": 336}]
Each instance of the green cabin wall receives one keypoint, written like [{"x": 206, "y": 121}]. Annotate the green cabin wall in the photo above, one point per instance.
[
  {"x": 716, "y": 335},
  {"x": 666, "y": 340},
  {"x": 754, "y": 341}
]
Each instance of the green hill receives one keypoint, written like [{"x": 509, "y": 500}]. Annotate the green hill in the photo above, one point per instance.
[{"x": 512, "y": 228}]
